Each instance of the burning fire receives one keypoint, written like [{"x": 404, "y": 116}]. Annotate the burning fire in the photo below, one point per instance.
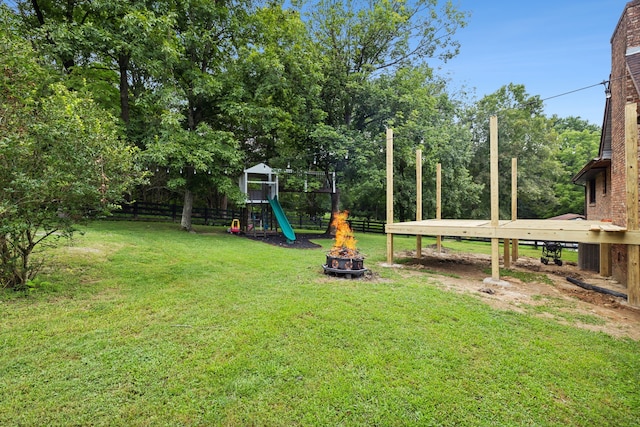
[{"x": 345, "y": 245}]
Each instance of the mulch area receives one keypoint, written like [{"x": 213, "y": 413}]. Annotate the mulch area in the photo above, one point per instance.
[{"x": 303, "y": 240}]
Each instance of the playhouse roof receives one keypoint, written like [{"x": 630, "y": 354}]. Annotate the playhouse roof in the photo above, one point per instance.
[{"x": 260, "y": 168}]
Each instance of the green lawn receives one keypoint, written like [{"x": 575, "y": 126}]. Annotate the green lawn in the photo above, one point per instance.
[{"x": 141, "y": 324}]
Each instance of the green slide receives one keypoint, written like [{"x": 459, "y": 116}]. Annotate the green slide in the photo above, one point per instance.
[{"x": 282, "y": 219}]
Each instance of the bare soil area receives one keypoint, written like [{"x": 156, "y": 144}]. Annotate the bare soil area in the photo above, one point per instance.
[{"x": 558, "y": 298}]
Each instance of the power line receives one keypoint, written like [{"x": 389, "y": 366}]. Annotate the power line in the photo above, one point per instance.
[{"x": 604, "y": 82}]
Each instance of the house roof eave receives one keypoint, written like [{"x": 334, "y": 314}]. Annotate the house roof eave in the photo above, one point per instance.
[{"x": 591, "y": 169}]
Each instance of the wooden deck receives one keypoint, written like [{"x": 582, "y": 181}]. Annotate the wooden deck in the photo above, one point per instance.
[
  {"x": 596, "y": 232},
  {"x": 522, "y": 229}
]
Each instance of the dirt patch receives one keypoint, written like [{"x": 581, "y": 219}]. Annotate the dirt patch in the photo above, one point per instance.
[{"x": 532, "y": 287}]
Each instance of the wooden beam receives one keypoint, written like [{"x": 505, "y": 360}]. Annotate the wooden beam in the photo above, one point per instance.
[
  {"x": 507, "y": 254},
  {"x": 438, "y": 203},
  {"x": 418, "y": 200},
  {"x": 495, "y": 260},
  {"x": 633, "y": 275},
  {"x": 631, "y": 167},
  {"x": 493, "y": 158},
  {"x": 605, "y": 259},
  {"x": 495, "y": 201},
  {"x": 514, "y": 204},
  {"x": 548, "y": 230},
  {"x": 389, "y": 194}
]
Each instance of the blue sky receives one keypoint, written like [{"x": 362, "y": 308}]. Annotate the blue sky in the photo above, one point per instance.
[{"x": 551, "y": 47}]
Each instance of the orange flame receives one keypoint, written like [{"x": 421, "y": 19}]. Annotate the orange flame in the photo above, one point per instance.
[{"x": 345, "y": 244}]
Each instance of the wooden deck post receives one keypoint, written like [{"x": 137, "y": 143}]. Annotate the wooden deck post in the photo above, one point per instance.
[
  {"x": 514, "y": 205},
  {"x": 514, "y": 198},
  {"x": 631, "y": 166},
  {"x": 605, "y": 259},
  {"x": 506, "y": 253},
  {"x": 418, "y": 200},
  {"x": 438, "y": 203},
  {"x": 495, "y": 204},
  {"x": 389, "y": 193}
]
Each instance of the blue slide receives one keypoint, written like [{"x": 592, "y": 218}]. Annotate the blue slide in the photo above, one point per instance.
[{"x": 282, "y": 219}]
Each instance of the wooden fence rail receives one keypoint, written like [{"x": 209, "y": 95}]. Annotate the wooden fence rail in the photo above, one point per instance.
[{"x": 207, "y": 216}]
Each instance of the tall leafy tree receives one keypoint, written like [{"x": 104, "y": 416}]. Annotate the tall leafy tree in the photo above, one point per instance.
[
  {"x": 524, "y": 133},
  {"x": 358, "y": 41},
  {"x": 192, "y": 142},
  {"x": 578, "y": 143},
  {"x": 61, "y": 156},
  {"x": 104, "y": 46},
  {"x": 423, "y": 116},
  {"x": 132, "y": 39},
  {"x": 275, "y": 86}
]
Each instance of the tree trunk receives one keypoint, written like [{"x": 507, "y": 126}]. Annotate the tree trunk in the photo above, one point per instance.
[
  {"x": 123, "y": 64},
  {"x": 187, "y": 209},
  {"x": 38, "y": 11},
  {"x": 335, "y": 208}
]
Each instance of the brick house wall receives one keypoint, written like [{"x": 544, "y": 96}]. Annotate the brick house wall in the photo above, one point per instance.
[
  {"x": 623, "y": 91},
  {"x": 598, "y": 203}
]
